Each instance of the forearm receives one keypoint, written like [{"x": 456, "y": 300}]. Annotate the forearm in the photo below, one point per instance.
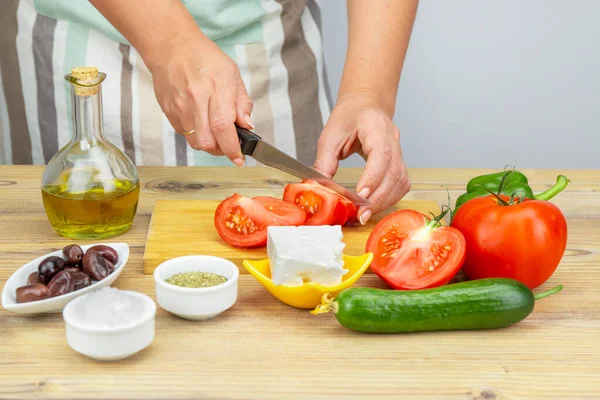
[
  {"x": 378, "y": 36},
  {"x": 151, "y": 26}
]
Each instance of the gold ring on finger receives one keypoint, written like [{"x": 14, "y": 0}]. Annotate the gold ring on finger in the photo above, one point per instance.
[{"x": 185, "y": 133}]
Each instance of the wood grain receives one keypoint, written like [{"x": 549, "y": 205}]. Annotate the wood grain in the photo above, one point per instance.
[
  {"x": 262, "y": 349},
  {"x": 186, "y": 227}
]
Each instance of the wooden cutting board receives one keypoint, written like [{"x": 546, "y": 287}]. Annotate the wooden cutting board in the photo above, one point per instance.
[{"x": 186, "y": 227}]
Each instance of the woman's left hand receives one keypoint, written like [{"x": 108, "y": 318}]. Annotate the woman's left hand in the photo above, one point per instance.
[{"x": 359, "y": 125}]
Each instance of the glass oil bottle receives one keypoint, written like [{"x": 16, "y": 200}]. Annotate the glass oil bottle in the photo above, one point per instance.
[{"x": 90, "y": 188}]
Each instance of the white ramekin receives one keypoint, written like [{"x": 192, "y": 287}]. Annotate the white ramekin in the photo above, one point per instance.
[
  {"x": 196, "y": 303},
  {"x": 109, "y": 344}
]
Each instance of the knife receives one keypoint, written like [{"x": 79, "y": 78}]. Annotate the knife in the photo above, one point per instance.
[{"x": 252, "y": 145}]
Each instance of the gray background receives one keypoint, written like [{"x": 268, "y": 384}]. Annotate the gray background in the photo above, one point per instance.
[{"x": 493, "y": 83}]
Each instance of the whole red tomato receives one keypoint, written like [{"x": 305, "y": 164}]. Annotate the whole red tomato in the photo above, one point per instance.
[{"x": 524, "y": 241}]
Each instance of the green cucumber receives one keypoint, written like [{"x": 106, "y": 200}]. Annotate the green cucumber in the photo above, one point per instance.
[{"x": 478, "y": 304}]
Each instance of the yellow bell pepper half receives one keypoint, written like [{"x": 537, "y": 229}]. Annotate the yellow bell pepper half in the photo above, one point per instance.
[{"x": 308, "y": 295}]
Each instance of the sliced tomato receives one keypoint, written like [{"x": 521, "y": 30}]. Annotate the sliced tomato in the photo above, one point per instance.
[
  {"x": 281, "y": 213},
  {"x": 410, "y": 252},
  {"x": 243, "y": 221},
  {"x": 351, "y": 210},
  {"x": 322, "y": 205}
]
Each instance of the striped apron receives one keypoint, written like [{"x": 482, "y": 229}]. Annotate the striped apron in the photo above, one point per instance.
[{"x": 281, "y": 64}]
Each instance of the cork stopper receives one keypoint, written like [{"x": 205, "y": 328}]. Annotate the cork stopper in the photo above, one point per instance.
[{"x": 86, "y": 80}]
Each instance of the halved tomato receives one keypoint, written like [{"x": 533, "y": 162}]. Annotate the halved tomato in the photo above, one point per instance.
[
  {"x": 322, "y": 205},
  {"x": 243, "y": 221},
  {"x": 411, "y": 251}
]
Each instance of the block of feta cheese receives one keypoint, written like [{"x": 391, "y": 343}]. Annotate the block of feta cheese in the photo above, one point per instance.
[{"x": 300, "y": 254}]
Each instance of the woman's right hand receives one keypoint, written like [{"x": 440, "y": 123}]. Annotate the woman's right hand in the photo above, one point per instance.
[{"x": 199, "y": 88}]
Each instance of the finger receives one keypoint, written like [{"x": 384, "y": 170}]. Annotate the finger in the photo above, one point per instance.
[
  {"x": 175, "y": 123},
  {"x": 400, "y": 189},
  {"x": 379, "y": 152},
  {"x": 222, "y": 117},
  {"x": 394, "y": 185},
  {"x": 182, "y": 116},
  {"x": 187, "y": 120},
  {"x": 402, "y": 186},
  {"x": 328, "y": 152},
  {"x": 243, "y": 106},
  {"x": 204, "y": 139},
  {"x": 180, "y": 110},
  {"x": 195, "y": 118}
]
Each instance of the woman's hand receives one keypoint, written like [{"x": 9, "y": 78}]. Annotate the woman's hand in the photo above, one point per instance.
[
  {"x": 378, "y": 35},
  {"x": 199, "y": 88},
  {"x": 358, "y": 124}
]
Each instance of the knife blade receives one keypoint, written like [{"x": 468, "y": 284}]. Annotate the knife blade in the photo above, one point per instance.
[{"x": 252, "y": 145}]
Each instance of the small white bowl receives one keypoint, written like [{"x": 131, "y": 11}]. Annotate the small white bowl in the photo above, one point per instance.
[
  {"x": 55, "y": 304},
  {"x": 111, "y": 344},
  {"x": 196, "y": 303}
]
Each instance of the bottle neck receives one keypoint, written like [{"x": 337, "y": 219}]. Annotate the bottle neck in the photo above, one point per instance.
[{"x": 87, "y": 116}]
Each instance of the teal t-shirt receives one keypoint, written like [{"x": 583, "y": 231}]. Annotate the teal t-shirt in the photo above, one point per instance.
[{"x": 225, "y": 22}]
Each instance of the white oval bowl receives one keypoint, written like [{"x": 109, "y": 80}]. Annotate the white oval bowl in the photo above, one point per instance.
[
  {"x": 111, "y": 344},
  {"x": 55, "y": 304},
  {"x": 196, "y": 303}
]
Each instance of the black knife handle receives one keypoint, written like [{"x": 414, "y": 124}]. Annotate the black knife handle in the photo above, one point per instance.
[{"x": 248, "y": 140}]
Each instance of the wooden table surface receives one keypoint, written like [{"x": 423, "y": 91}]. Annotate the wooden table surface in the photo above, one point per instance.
[{"x": 262, "y": 349}]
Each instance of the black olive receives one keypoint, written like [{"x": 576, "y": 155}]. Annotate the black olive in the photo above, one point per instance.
[
  {"x": 73, "y": 254},
  {"x": 49, "y": 267}
]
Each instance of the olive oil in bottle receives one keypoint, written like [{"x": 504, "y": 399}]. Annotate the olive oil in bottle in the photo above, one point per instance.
[
  {"x": 94, "y": 213},
  {"x": 90, "y": 188}
]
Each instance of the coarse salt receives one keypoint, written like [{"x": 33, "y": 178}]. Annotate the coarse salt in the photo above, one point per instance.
[{"x": 109, "y": 308}]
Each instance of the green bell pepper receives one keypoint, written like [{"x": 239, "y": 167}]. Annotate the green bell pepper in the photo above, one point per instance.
[{"x": 507, "y": 183}]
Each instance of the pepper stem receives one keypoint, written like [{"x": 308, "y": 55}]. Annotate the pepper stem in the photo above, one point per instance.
[
  {"x": 327, "y": 306},
  {"x": 548, "y": 292},
  {"x": 561, "y": 183}
]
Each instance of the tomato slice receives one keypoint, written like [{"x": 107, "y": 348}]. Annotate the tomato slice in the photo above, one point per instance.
[
  {"x": 351, "y": 210},
  {"x": 410, "y": 253},
  {"x": 322, "y": 205},
  {"x": 242, "y": 221},
  {"x": 280, "y": 212}
]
